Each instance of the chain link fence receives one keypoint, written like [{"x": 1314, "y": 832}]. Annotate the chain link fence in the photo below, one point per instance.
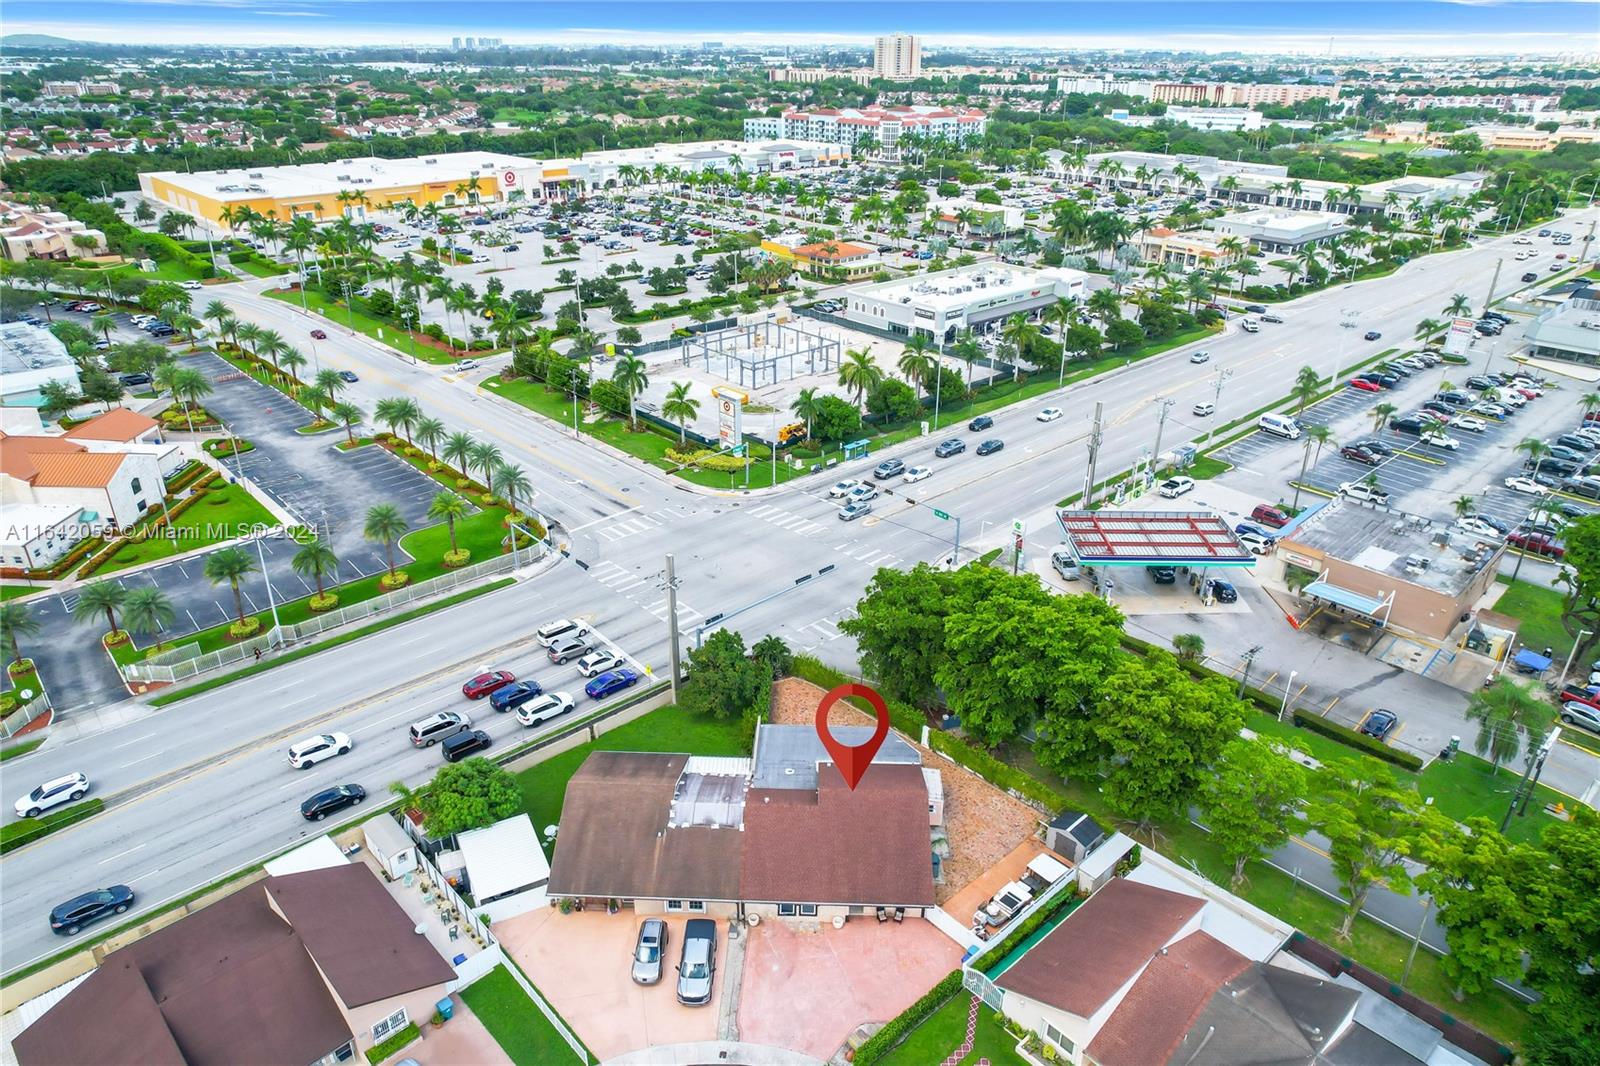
[{"x": 183, "y": 663}]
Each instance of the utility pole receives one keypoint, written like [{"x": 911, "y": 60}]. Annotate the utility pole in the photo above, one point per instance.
[
  {"x": 1493, "y": 281},
  {"x": 1249, "y": 658},
  {"x": 1094, "y": 453},
  {"x": 672, "y": 623},
  {"x": 1216, "y": 400},
  {"x": 1530, "y": 778},
  {"x": 1165, "y": 405}
]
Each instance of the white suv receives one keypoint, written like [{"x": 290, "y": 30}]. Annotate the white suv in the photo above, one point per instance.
[
  {"x": 304, "y": 754},
  {"x": 52, "y": 794},
  {"x": 599, "y": 662}
]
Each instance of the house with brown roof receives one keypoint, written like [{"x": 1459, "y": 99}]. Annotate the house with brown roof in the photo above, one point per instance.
[
  {"x": 777, "y": 835},
  {"x": 311, "y": 967},
  {"x": 1161, "y": 967}
]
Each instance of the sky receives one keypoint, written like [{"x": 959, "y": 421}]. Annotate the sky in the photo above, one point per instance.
[{"x": 1349, "y": 28}]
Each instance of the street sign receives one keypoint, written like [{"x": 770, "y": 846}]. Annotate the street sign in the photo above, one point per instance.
[
  {"x": 1016, "y": 526},
  {"x": 941, "y": 514}
]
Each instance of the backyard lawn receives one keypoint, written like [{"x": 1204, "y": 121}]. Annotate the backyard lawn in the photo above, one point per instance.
[
  {"x": 521, "y": 1030},
  {"x": 544, "y": 787},
  {"x": 1539, "y": 607},
  {"x": 945, "y": 1029},
  {"x": 224, "y": 513}
]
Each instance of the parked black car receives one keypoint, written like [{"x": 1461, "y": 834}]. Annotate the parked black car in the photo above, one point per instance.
[
  {"x": 330, "y": 800},
  {"x": 1380, "y": 724},
  {"x": 67, "y": 918}
]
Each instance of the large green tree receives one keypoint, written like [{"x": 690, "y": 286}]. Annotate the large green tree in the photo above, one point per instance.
[
  {"x": 724, "y": 681},
  {"x": 468, "y": 795},
  {"x": 1563, "y": 945},
  {"x": 1250, "y": 800},
  {"x": 899, "y": 630},
  {"x": 1371, "y": 822},
  {"x": 1472, "y": 878},
  {"x": 1580, "y": 610}
]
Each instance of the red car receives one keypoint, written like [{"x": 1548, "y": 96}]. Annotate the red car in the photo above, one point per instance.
[
  {"x": 1365, "y": 386},
  {"x": 483, "y": 684},
  {"x": 1537, "y": 543},
  {"x": 317, "y": 334}
]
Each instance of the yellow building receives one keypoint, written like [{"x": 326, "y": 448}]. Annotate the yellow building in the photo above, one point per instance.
[{"x": 352, "y": 187}]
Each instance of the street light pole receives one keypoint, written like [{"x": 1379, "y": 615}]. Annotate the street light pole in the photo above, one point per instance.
[
  {"x": 1288, "y": 686},
  {"x": 272, "y": 601},
  {"x": 1579, "y": 640}
]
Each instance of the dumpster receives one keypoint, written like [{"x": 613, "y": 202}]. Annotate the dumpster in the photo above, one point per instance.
[{"x": 446, "y": 1008}]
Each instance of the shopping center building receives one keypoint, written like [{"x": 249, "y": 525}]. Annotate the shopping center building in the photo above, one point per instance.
[{"x": 965, "y": 297}]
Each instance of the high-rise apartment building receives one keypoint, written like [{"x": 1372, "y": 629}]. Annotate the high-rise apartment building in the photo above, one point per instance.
[{"x": 897, "y": 56}]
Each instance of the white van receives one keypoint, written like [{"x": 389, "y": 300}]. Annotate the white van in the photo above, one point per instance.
[{"x": 1282, "y": 425}]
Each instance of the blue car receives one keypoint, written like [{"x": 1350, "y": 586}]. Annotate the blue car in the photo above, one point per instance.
[
  {"x": 1260, "y": 531},
  {"x": 610, "y": 682},
  {"x": 510, "y": 697}
]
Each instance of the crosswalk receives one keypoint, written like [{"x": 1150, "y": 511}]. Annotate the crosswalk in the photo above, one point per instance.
[
  {"x": 786, "y": 520},
  {"x": 644, "y": 590},
  {"x": 634, "y": 523},
  {"x": 865, "y": 553},
  {"x": 687, "y": 616},
  {"x": 617, "y": 578}
]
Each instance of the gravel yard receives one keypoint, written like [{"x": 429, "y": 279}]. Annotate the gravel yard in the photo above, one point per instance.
[{"x": 984, "y": 824}]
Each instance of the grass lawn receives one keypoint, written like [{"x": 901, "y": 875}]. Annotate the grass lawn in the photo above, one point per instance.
[
  {"x": 11, "y": 592},
  {"x": 393, "y": 336},
  {"x": 945, "y": 1029},
  {"x": 258, "y": 268},
  {"x": 169, "y": 270},
  {"x": 1465, "y": 788},
  {"x": 520, "y": 1028},
  {"x": 544, "y": 787},
  {"x": 224, "y": 513},
  {"x": 1540, "y": 610},
  {"x": 19, "y": 749}
]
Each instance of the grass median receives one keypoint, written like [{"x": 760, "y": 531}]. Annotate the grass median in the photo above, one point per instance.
[{"x": 400, "y": 340}]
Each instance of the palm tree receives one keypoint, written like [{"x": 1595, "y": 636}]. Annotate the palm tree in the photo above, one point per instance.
[
  {"x": 458, "y": 449},
  {"x": 859, "y": 373},
  {"x": 680, "y": 407},
  {"x": 231, "y": 565},
  {"x": 385, "y": 524},
  {"x": 1318, "y": 435},
  {"x": 1190, "y": 646},
  {"x": 1381, "y": 415},
  {"x": 1459, "y": 305},
  {"x": 511, "y": 481},
  {"x": 486, "y": 456},
  {"x": 107, "y": 596},
  {"x": 1464, "y": 505},
  {"x": 630, "y": 375},
  {"x": 430, "y": 432},
  {"x": 16, "y": 620},
  {"x": 1020, "y": 335},
  {"x": 1504, "y": 712},
  {"x": 916, "y": 362},
  {"x": 450, "y": 506},
  {"x": 805, "y": 407},
  {"x": 1427, "y": 328},
  {"x": 347, "y": 414},
  {"x": 315, "y": 560},
  {"x": 329, "y": 381},
  {"x": 1306, "y": 383},
  {"x": 147, "y": 611}
]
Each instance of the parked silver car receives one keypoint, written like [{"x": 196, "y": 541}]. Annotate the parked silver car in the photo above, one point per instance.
[
  {"x": 697, "y": 967},
  {"x": 649, "y": 951}
]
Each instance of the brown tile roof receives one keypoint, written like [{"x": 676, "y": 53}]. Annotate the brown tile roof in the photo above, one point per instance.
[
  {"x": 88, "y": 470},
  {"x": 869, "y": 846},
  {"x": 1161, "y": 1007},
  {"x": 117, "y": 424},
  {"x": 16, "y": 452},
  {"x": 235, "y": 983},
  {"x": 615, "y": 841},
  {"x": 1101, "y": 947}
]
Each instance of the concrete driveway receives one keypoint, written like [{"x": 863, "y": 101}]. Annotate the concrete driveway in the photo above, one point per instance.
[
  {"x": 580, "y": 963},
  {"x": 807, "y": 986}
]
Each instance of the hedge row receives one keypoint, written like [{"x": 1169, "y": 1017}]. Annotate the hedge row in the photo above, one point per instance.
[
  {"x": 65, "y": 563},
  {"x": 1031, "y": 925},
  {"x": 1360, "y": 741},
  {"x": 19, "y": 833},
  {"x": 706, "y": 459},
  {"x": 185, "y": 477},
  {"x": 899, "y": 1027},
  {"x": 378, "y": 1052},
  {"x": 141, "y": 533}
]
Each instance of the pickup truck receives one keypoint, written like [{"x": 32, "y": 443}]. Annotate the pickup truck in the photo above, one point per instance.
[{"x": 1578, "y": 694}]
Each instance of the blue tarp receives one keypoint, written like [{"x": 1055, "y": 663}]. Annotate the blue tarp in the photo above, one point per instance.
[{"x": 1531, "y": 661}]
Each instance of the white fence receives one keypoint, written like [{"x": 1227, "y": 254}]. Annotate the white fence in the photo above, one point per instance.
[
  {"x": 19, "y": 718},
  {"x": 186, "y": 662}
]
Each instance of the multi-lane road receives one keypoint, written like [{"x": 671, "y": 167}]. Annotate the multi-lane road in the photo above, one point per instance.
[{"x": 200, "y": 787}]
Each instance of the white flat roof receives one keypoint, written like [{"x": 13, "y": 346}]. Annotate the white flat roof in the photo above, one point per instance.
[
  {"x": 311, "y": 179},
  {"x": 949, "y": 289},
  {"x": 504, "y": 857}
]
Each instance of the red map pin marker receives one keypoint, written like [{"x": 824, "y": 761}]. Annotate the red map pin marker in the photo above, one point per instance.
[{"x": 852, "y": 760}]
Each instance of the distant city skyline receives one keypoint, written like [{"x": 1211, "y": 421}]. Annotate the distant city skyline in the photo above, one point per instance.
[{"x": 1312, "y": 28}]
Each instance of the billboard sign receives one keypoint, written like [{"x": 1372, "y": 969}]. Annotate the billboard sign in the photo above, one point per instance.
[
  {"x": 730, "y": 418},
  {"x": 1459, "y": 339}
]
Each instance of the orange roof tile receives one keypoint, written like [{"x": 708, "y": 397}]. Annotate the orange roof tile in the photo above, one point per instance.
[
  {"x": 841, "y": 250},
  {"x": 118, "y": 424},
  {"x": 87, "y": 470},
  {"x": 16, "y": 453}
]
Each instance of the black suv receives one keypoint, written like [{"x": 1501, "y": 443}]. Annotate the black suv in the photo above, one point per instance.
[
  {"x": 464, "y": 743},
  {"x": 982, "y": 422},
  {"x": 1162, "y": 575},
  {"x": 330, "y": 800},
  {"x": 67, "y": 918}
]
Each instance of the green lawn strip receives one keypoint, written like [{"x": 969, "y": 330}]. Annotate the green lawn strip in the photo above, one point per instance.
[
  {"x": 27, "y": 680},
  {"x": 945, "y": 1030},
  {"x": 1580, "y": 738},
  {"x": 1464, "y": 787},
  {"x": 226, "y": 512},
  {"x": 383, "y": 332},
  {"x": 30, "y": 829},
  {"x": 544, "y": 786},
  {"x": 11, "y": 592},
  {"x": 333, "y": 642},
  {"x": 517, "y": 1025},
  {"x": 1321, "y": 748},
  {"x": 19, "y": 749},
  {"x": 1539, "y": 608}
]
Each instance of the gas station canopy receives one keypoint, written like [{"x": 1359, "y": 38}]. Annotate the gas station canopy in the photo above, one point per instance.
[{"x": 1152, "y": 538}]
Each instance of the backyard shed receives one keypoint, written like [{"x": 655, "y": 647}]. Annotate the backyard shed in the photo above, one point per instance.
[
  {"x": 394, "y": 849},
  {"x": 505, "y": 865}
]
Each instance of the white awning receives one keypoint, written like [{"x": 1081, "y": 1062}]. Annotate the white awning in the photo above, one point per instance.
[{"x": 505, "y": 857}]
